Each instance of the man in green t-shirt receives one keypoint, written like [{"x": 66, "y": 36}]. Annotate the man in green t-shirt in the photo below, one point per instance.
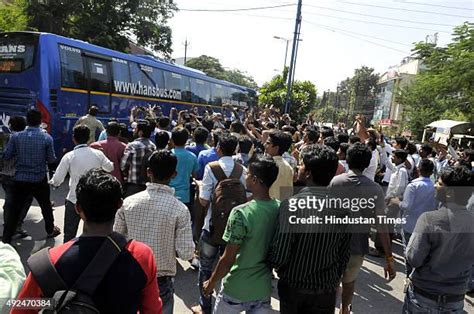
[{"x": 249, "y": 232}]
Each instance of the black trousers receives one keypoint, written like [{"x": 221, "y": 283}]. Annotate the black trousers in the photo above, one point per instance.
[
  {"x": 296, "y": 300},
  {"x": 20, "y": 193},
  {"x": 8, "y": 186}
]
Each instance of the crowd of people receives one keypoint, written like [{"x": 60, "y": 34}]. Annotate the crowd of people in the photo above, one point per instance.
[{"x": 217, "y": 190}]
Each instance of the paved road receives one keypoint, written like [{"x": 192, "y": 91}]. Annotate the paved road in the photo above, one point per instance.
[{"x": 373, "y": 293}]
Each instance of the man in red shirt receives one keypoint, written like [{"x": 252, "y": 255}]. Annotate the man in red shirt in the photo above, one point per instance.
[
  {"x": 130, "y": 284},
  {"x": 113, "y": 148}
]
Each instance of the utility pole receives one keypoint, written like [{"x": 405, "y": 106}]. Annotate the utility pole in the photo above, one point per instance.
[
  {"x": 293, "y": 57},
  {"x": 296, "y": 55},
  {"x": 186, "y": 44}
]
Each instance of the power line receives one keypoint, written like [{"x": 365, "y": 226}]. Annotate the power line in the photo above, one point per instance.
[
  {"x": 332, "y": 27},
  {"x": 404, "y": 9},
  {"x": 347, "y": 19},
  {"x": 359, "y": 34},
  {"x": 242, "y": 9},
  {"x": 357, "y": 37},
  {"x": 265, "y": 16},
  {"x": 380, "y": 17},
  {"x": 437, "y": 5},
  {"x": 378, "y": 23}
]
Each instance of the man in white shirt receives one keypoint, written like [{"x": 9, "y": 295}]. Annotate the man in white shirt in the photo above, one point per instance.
[
  {"x": 396, "y": 188},
  {"x": 370, "y": 171},
  {"x": 399, "y": 143},
  {"x": 76, "y": 163},
  {"x": 209, "y": 253},
  {"x": 399, "y": 178},
  {"x": 157, "y": 218}
]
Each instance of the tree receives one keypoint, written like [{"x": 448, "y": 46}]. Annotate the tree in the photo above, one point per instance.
[
  {"x": 213, "y": 68},
  {"x": 109, "y": 23},
  {"x": 209, "y": 65},
  {"x": 445, "y": 89},
  {"x": 237, "y": 77},
  {"x": 362, "y": 87},
  {"x": 329, "y": 108},
  {"x": 13, "y": 16},
  {"x": 354, "y": 95},
  {"x": 303, "y": 97}
]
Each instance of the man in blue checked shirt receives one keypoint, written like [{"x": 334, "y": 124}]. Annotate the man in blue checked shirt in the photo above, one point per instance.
[
  {"x": 33, "y": 150},
  {"x": 418, "y": 198}
]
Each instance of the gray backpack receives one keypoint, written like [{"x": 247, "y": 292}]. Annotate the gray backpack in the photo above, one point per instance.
[{"x": 78, "y": 298}]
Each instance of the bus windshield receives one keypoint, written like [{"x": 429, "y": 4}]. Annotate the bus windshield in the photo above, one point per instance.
[{"x": 17, "y": 51}]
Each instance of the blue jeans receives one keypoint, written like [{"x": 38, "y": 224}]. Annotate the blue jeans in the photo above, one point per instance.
[
  {"x": 208, "y": 256},
  {"x": 166, "y": 285},
  {"x": 415, "y": 303},
  {"x": 228, "y": 305}
]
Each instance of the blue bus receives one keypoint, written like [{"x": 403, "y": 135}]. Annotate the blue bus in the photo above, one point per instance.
[{"x": 63, "y": 77}]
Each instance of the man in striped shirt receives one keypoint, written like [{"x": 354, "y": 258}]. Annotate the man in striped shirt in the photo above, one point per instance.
[{"x": 310, "y": 258}]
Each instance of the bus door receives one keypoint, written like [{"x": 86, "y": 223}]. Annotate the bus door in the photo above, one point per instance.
[{"x": 99, "y": 82}]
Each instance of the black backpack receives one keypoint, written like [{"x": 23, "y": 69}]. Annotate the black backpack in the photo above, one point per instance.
[
  {"x": 228, "y": 193},
  {"x": 78, "y": 298}
]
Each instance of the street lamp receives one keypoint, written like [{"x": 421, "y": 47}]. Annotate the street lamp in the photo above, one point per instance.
[
  {"x": 287, "y": 43},
  {"x": 286, "y": 51}
]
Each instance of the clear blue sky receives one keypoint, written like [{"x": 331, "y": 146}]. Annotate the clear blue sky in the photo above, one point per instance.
[{"x": 334, "y": 42}]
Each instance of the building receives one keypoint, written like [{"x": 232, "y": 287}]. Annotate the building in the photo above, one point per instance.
[{"x": 387, "y": 111}]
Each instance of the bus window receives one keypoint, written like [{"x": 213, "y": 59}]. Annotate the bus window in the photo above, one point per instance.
[
  {"x": 121, "y": 76},
  {"x": 157, "y": 77},
  {"x": 99, "y": 74},
  {"x": 186, "y": 89},
  {"x": 173, "y": 81},
  {"x": 142, "y": 73},
  {"x": 72, "y": 67},
  {"x": 219, "y": 93},
  {"x": 17, "y": 52},
  {"x": 201, "y": 91}
]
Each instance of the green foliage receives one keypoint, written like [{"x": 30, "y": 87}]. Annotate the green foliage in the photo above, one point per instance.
[
  {"x": 445, "y": 89},
  {"x": 303, "y": 97},
  {"x": 212, "y": 67},
  {"x": 13, "y": 16},
  {"x": 355, "y": 95},
  {"x": 362, "y": 87},
  {"x": 238, "y": 77},
  {"x": 209, "y": 65},
  {"x": 108, "y": 23},
  {"x": 329, "y": 109}
]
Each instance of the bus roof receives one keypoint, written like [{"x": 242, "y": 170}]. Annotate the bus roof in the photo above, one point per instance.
[{"x": 142, "y": 59}]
